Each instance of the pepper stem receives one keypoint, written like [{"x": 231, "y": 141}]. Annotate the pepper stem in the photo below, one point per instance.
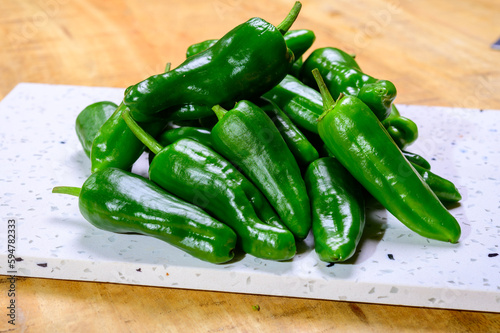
[
  {"x": 75, "y": 191},
  {"x": 285, "y": 25},
  {"x": 219, "y": 111},
  {"x": 167, "y": 67},
  {"x": 140, "y": 133},
  {"x": 328, "y": 101}
]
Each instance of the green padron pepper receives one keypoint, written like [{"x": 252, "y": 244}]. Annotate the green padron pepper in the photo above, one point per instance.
[
  {"x": 360, "y": 142},
  {"x": 89, "y": 121},
  {"x": 296, "y": 141},
  {"x": 301, "y": 103},
  {"x": 122, "y": 202},
  {"x": 338, "y": 209},
  {"x": 444, "y": 189},
  {"x": 170, "y": 135},
  {"x": 417, "y": 159},
  {"x": 298, "y": 41},
  {"x": 342, "y": 75},
  {"x": 244, "y": 63},
  {"x": 247, "y": 137},
  {"x": 194, "y": 172},
  {"x": 115, "y": 146},
  {"x": 401, "y": 129}
]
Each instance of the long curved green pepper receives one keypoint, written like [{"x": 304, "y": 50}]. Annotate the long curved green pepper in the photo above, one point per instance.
[
  {"x": 360, "y": 142},
  {"x": 89, "y": 121},
  {"x": 122, "y": 202},
  {"x": 197, "y": 174},
  {"x": 247, "y": 137},
  {"x": 338, "y": 209},
  {"x": 244, "y": 63}
]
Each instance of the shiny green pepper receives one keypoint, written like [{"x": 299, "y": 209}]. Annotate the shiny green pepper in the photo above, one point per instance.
[
  {"x": 298, "y": 41},
  {"x": 195, "y": 133},
  {"x": 401, "y": 129},
  {"x": 360, "y": 142},
  {"x": 417, "y": 159},
  {"x": 170, "y": 135},
  {"x": 244, "y": 63},
  {"x": 115, "y": 146},
  {"x": 298, "y": 101},
  {"x": 342, "y": 75},
  {"x": 89, "y": 121},
  {"x": 296, "y": 141},
  {"x": 338, "y": 209},
  {"x": 122, "y": 202},
  {"x": 247, "y": 137},
  {"x": 194, "y": 172},
  {"x": 444, "y": 189}
]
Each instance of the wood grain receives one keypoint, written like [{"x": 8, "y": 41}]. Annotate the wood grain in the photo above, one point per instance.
[{"x": 436, "y": 52}]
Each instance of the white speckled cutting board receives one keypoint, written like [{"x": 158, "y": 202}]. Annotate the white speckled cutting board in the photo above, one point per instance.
[{"x": 39, "y": 150}]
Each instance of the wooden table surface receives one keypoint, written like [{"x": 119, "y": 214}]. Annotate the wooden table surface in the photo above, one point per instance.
[{"x": 436, "y": 52}]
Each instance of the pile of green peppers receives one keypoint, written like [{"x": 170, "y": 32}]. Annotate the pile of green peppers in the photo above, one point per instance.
[{"x": 253, "y": 147}]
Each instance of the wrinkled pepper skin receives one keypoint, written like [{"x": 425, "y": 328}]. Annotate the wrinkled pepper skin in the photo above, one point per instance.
[
  {"x": 301, "y": 103},
  {"x": 199, "y": 175},
  {"x": 115, "y": 146},
  {"x": 247, "y": 61},
  {"x": 338, "y": 209},
  {"x": 247, "y": 137},
  {"x": 360, "y": 142},
  {"x": 122, "y": 202},
  {"x": 89, "y": 121},
  {"x": 296, "y": 141},
  {"x": 342, "y": 75}
]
